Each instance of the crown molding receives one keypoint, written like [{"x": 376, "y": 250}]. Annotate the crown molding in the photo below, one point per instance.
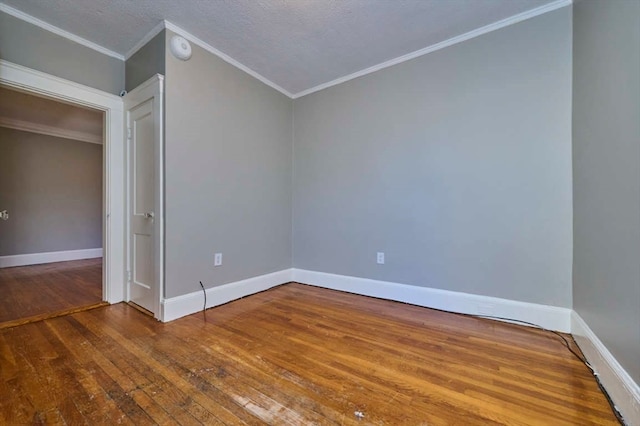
[
  {"x": 201, "y": 43},
  {"x": 176, "y": 29},
  {"x": 44, "y": 129},
  {"x": 59, "y": 31},
  {"x": 144, "y": 40},
  {"x": 450, "y": 42}
]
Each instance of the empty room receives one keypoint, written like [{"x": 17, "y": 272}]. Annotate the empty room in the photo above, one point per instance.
[
  {"x": 51, "y": 193},
  {"x": 418, "y": 212}
]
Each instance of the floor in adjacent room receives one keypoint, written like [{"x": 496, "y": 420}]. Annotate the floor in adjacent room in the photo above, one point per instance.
[
  {"x": 295, "y": 355},
  {"x": 35, "y": 292}
]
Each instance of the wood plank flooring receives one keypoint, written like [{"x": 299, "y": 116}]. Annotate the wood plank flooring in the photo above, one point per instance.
[
  {"x": 40, "y": 291},
  {"x": 294, "y": 355}
]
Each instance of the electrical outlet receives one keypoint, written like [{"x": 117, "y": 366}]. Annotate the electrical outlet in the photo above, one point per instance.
[
  {"x": 380, "y": 258},
  {"x": 217, "y": 259}
]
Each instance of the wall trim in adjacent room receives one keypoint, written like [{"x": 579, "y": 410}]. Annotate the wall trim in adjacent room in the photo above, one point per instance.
[
  {"x": 622, "y": 389},
  {"x": 43, "y": 129},
  {"x": 59, "y": 31},
  {"x": 48, "y": 257},
  {"x": 187, "y": 304},
  {"x": 550, "y": 7},
  {"x": 551, "y": 317}
]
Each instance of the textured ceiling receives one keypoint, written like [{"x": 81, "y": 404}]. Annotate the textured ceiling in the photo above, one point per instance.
[{"x": 296, "y": 44}]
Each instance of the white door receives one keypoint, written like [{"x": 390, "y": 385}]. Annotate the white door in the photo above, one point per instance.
[{"x": 143, "y": 108}]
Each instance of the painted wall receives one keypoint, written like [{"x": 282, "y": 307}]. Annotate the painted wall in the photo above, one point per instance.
[
  {"x": 146, "y": 62},
  {"x": 52, "y": 188},
  {"x": 606, "y": 174},
  {"x": 228, "y": 174},
  {"x": 31, "y": 46},
  {"x": 456, "y": 164}
]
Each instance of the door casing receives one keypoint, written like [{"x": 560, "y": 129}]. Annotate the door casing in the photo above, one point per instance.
[{"x": 113, "y": 214}]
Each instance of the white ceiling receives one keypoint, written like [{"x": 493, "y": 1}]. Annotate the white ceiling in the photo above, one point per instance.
[{"x": 296, "y": 44}]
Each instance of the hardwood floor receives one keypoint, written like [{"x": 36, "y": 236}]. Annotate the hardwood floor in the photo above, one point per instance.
[
  {"x": 40, "y": 291},
  {"x": 295, "y": 355}
]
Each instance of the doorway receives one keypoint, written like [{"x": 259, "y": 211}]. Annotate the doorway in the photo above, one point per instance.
[
  {"x": 51, "y": 157},
  {"x": 33, "y": 82}
]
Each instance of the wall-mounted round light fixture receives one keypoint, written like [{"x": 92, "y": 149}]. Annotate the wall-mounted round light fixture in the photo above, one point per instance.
[{"x": 180, "y": 48}]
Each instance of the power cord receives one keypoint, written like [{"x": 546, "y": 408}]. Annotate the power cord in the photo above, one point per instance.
[
  {"x": 204, "y": 308},
  {"x": 614, "y": 409},
  {"x": 566, "y": 342}
]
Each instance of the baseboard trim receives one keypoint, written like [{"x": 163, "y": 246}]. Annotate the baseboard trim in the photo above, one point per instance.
[
  {"x": 180, "y": 306},
  {"x": 48, "y": 257},
  {"x": 551, "y": 317},
  {"x": 622, "y": 389}
]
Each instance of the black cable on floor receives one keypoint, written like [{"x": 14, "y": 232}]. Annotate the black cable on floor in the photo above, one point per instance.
[
  {"x": 566, "y": 342},
  {"x": 204, "y": 308},
  {"x": 614, "y": 409}
]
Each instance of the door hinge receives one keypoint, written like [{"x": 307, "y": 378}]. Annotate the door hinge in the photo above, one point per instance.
[
  {"x": 128, "y": 276},
  {"x": 128, "y": 132}
]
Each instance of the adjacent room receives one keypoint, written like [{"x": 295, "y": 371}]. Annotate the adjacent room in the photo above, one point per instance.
[
  {"x": 419, "y": 212},
  {"x": 51, "y": 195}
]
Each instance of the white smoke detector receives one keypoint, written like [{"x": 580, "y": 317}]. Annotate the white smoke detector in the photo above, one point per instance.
[{"x": 180, "y": 48}]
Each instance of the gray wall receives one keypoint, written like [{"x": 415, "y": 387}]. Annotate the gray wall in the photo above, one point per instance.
[
  {"x": 31, "y": 46},
  {"x": 606, "y": 174},
  {"x": 228, "y": 174},
  {"x": 52, "y": 188},
  {"x": 457, "y": 165},
  {"x": 146, "y": 62}
]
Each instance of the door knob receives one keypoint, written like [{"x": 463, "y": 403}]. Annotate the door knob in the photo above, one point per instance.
[{"x": 149, "y": 215}]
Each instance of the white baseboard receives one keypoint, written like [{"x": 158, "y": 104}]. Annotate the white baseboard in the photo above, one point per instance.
[
  {"x": 551, "y": 317},
  {"x": 622, "y": 389},
  {"x": 48, "y": 257},
  {"x": 180, "y": 306}
]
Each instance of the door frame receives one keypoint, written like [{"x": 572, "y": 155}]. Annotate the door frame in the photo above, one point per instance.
[
  {"x": 153, "y": 88},
  {"x": 113, "y": 165}
]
